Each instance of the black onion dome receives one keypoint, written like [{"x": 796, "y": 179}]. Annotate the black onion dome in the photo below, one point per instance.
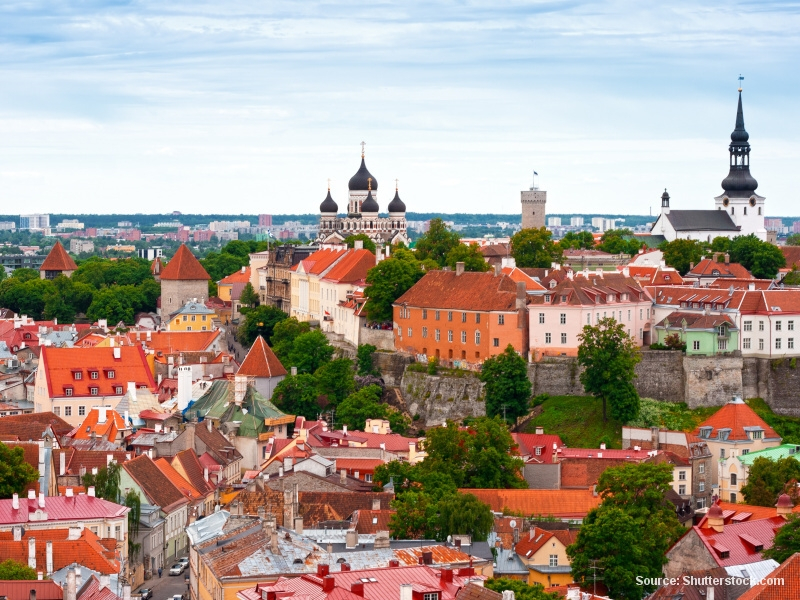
[
  {"x": 739, "y": 135},
  {"x": 369, "y": 205},
  {"x": 739, "y": 182},
  {"x": 328, "y": 205},
  {"x": 665, "y": 195},
  {"x": 361, "y": 180},
  {"x": 397, "y": 205}
]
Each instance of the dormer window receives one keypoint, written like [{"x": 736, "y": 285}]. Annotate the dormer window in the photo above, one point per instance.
[
  {"x": 94, "y": 374},
  {"x": 547, "y": 298},
  {"x": 756, "y": 434},
  {"x": 118, "y": 390},
  {"x": 705, "y": 432},
  {"x": 93, "y": 391},
  {"x": 552, "y": 284},
  {"x": 723, "y": 434},
  {"x": 77, "y": 375},
  {"x": 110, "y": 374},
  {"x": 68, "y": 391}
]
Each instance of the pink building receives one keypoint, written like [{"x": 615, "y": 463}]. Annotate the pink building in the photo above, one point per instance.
[
  {"x": 265, "y": 220},
  {"x": 557, "y": 317},
  {"x": 796, "y": 227},
  {"x": 202, "y": 235}
]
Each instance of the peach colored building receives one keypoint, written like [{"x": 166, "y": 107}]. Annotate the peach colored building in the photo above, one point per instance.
[
  {"x": 557, "y": 317},
  {"x": 460, "y": 316}
]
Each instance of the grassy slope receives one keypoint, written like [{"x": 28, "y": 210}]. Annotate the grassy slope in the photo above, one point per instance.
[{"x": 787, "y": 427}]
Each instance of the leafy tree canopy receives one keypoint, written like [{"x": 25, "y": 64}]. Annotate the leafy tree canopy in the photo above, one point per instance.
[
  {"x": 262, "y": 321},
  {"x": 366, "y": 404},
  {"x": 507, "y": 387},
  {"x": 580, "y": 240},
  {"x": 248, "y": 298},
  {"x": 793, "y": 240},
  {"x": 15, "y": 473},
  {"x": 769, "y": 479},
  {"x": 786, "y": 542},
  {"x": 470, "y": 255},
  {"x": 350, "y": 240},
  {"x": 522, "y": 591},
  {"x": 609, "y": 356},
  {"x": 308, "y": 352},
  {"x": 534, "y": 247},
  {"x": 298, "y": 396},
  {"x": 681, "y": 254},
  {"x": 619, "y": 241},
  {"x": 762, "y": 259},
  {"x": 364, "y": 360},
  {"x": 335, "y": 380},
  {"x": 12, "y": 570},
  {"x": 387, "y": 281},
  {"x": 437, "y": 242},
  {"x": 106, "y": 483}
]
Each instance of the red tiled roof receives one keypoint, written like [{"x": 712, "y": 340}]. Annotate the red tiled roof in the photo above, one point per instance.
[
  {"x": 87, "y": 549},
  {"x": 186, "y": 488},
  {"x": 574, "y": 504},
  {"x": 58, "y": 260},
  {"x": 194, "y": 470},
  {"x": 736, "y": 416},
  {"x": 742, "y": 284},
  {"x": 20, "y": 590},
  {"x": 371, "y": 521},
  {"x": 362, "y": 465},
  {"x": 61, "y": 508},
  {"x": 33, "y": 425},
  {"x": 353, "y": 267},
  {"x": 87, "y": 459},
  {"x": 743, "y": 512},
  {"x": 529, "y": 442},
  {"x": 154, "y": 483},
  {"x": 629, "y": 454},
  {"x": 789, "y": 572},
  {"x": 734, "y": 537},
  {"x": 696, "y": 320},
  {"x": 108, "y": 430},
  {"x": 707, "y": 266},
  {"x": 468, "y": 291},
  {"x": 240, "y": 276},
  {"x": 518, "y": 275},
  {"x": 261, "y": 361},
  {"x": 62, "y": 364},
  {"x": 177, "y": 341},
  {"x": 792, "y": 255},
  {"x": 91, "y": 590},
  {"x": 184, "y": 267},
  {"x": 590, "y": 288},
  {"x": 318, "y": 262},
  {"x": 531, "y": 541}
]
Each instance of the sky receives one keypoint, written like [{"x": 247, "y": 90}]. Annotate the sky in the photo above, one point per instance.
[{"x": 252, "y": 106}]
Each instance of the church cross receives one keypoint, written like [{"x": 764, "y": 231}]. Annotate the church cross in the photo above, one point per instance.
[
  {"x": 741, "y": 79},
  {"x": 362, "y": 148}
]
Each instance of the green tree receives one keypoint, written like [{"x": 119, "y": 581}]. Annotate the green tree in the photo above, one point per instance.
[
  {"x": 134, "y": 502},
  {"x": 506, "y": 384},
  {"x": 609, "y": 357},
  {"x": 768, "y": 479},
  {"x": 106, "y": 483},
  {"x": 297, "y": 395},
  {"x": 437, "y": 242},
  {"x": 386, "y": 282},
  {"x": 350, "y": 241},
  {"x": 532, "y": 248},
  {"x": 619, "y": 241},
  {"x": 721, "y": 244},
  {"x": 309, "y": 352},
  {"x": 335, "y": 380},
  {"x": 248, "y": 298},
  {"x": 793, "y": 240},
  {"x": 364, "y": 360},
  {"x": 470, "y": 255},
  {"x": 415, "y": 517},
  {"x": 580, "y": 240},
  {"x": 792, "y": 277},
  {"x": 284, "y": 335},
  {"x": 767, "y": 260},
  {"x": 522, "y": 591},
  {"x": 113, "y": 304},
  {"x": 262, "y": 321},
  {"x": 366, "y": 404},
  {"x": 12, "y": 570},
  {"x": 786, "y": 542},
  {"x": 630, "y": 532},
  {"x": 220, "y": 265},
  {"x": 15, "y": 473},
  {"x": 24, "y": 274},
  {"x": 681, "y": 254},
  {"x": 463, "y": 514}
]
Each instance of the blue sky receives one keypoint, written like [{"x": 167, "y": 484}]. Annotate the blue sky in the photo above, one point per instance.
[{"x": 251, "y": 106}]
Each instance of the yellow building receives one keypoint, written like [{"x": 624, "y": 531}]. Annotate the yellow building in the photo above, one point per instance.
[
  {"x": 305, "y": 282},
  {"x": 545, "y": 554},
  {"x": 192, "y": 316}
]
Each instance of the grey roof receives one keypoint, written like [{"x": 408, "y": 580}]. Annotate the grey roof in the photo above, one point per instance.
[
  {"x": 701, "y": 220},
  {"x": 508, "y": 562},
  {"x": 207, "y": 528},
  {"x": 549, "y": 569},
  {"x": 754, "y": 571}
]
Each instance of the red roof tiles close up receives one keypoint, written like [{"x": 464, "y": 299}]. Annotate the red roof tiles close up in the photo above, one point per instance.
[
  {"x": 58, "y": 260},
  {"x": 184, "y": 266}
]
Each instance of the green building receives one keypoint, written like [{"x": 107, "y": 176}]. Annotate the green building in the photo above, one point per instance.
[{"x": 704, "y": 335}]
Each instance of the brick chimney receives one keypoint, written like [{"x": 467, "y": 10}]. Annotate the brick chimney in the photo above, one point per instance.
[
  {"x": 784, "y": 506},
  {"x": 715, "y": 519},
  {"x": 357, "y": 588},
  {"x": 328, "y": 583},
  {"x": 459, "y": 268}
]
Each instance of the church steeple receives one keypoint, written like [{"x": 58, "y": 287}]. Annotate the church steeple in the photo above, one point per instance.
[{"x": 739, "y": 183}]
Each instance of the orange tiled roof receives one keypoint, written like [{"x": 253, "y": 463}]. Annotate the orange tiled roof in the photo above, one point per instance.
[
  {"x": 319, "y": 261},
  {"x": 736, "y": 416},
  {"x": 789, "y": 572},
  {"x": 109, "y": 429},
  {"x": 792, "y": 255},
  {"x": 177, "y": 341},
  {"x": 240, "y": 276},
  {"x": 92, "y": 553},
  {"x": 58, "y": 260},
  {"x": 518, "y": 275},
  {"x": 72, "y": 368},
  {"x": 184, "y": 266},
  {"x": 158, "y": 488},
  {"x": 559, "y": 503},
  {"x": 261, "y": 361},
  {"x": 186, "y": 488},
  {"x": 353, "y": 267},
  {"x": 468, "y": 291},
  {"x": 707, "y": 266}
]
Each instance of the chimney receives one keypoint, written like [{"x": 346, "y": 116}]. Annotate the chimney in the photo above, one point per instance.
[
  {"x": 132, "y": 390},
  {"x": 539, "y": 430},
  {"x": 32, "y": 553},
  {"x": 15, "y": 500},
  {"x": 41, "y": 499},
  {"x": 427, "y": 557},
  {"x": 62, "y": 463},
  {"x": 497, "y": 270},
  {"x": 381, "y": 540},
  {"x": 70, "y": 593},
  {"x": 555, "y": 453},
  {"x": 357, "y": 475},
  {"x": 394, "y": 563},
  {"x": 447, "y": 575},
  {"x": 90, "y": 491},
  {"x": 531, "y": 531},
  {"x": 516, "y": 535},
  {"x": 280, "y": 471},
  {"x": 508, "y": 595},
  {"x": 406, "y": 591},
  {"x": 376, "y": 504},
  {"x": 117, "y": 351},
  {"x": 357, "y": 588},
  {"x": 74, "y": 533},
  {"x": 784, "y": 506},
  {"x": 710, "y": 592},
  {"x": 715, "y": 519},
  {"x": 109, "y": 459},
  {"x": 691, "y": 266},
  {"x": 101, "y": 414},
  {"x": 32, "y": 594},
  {"x": 208, "y": 425},
  {"x": 457, "y": 543},
  {"x": 351, "y": 538},
  {"x": 358, "y": 244},
  {"x": 205, "y": 473},
  {"x": 508, "y": 261},
  {"x": 49, "y": 557},
  {"x": 727, "y": 258},
  {"x": 343, "y": 476},
  {"x": 328, "y": 583},
  {"x": 603, "y": 446},
  {"x": 344, "y": 566},
  {"x": 184, "y": 387},
  {"x": 298, "y": 525},
  {"x": 344, "y": 430},
  {"x": 273, "y": 542},
  {"x": 459, "y": 268},
  {"x": 68, "y": 492},
  {"x": 323, "y": 569},
  {"x": 293, "y": 371}
]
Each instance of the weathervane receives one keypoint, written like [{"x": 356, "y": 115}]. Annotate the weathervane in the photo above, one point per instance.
[
  {"x": 362, "y": 148},
  {"x": 741, "y": 79}
]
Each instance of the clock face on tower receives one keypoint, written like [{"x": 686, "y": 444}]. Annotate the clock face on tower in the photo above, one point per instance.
[
  {"x": 752, "y": 201},
  {"x": 725, "y": 202}
]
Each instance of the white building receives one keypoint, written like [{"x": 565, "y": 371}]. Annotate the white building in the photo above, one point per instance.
[
  {"x": 554, "y": 221},
  {"x": 77, "y": 246},
  {"x": 34, "y": 222},
  {"x": 576, "y": 221}
]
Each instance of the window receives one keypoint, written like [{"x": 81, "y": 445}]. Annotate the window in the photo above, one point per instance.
[
  {"x": 682, "y": 490},
  {"x": 118, "y": 389},
  {"x": 436, "y": 334},
  {"x": 733, "y": 478},
  {"x": 409, "y": 332},
  {"x": 436, "y": 315},
  {"x": 756, "y": 435},
  {"x": 57, "y": 411},
  {"x": 761, "y": 344},
  {"x": 681, "y": 475},
  {"x": 563, "y": 318},
  {"x": 93, "y": 391},
  {"x": 554, "y": 560},
  {"x": 77, "y": 375},
  {"x": 194, "y": 317},
  {"x": 746, "y": 343},
  {"x": 761, "y": 325},
  {"x": 790, "y": 343},
  {"x": 94, "y": 374},
  {"x": 541, "y": 318},
  {"x": 790, "y": 325},
  {"x": 547, "y": 338},
  {"x": 110, "y": 374},
  {"x": 368, "y": 477},
  {"x": 67, "y": 411},
  {"x": 496, "y": 342},
  {"x": 449, "y": 315},
  {"x": 449, "y": 335},
  {"x": 629, "y": 315},
  {"x": 696, "y": 345},
  {"x": 722, "y": 344},
  {"x": 501, "y": 319},
  {"x": 538, "y": 450},
  {"x": 745, "y": 451},
  {"x": 641, "y": 333},
  {"x": 477, "y": 317},
  {"x": 563, "y": 338},
  {"x": 563, "y": 298},
  {"x": 777, "y": 343},
  {"x": 748, "y": 326},
  {"x": 424, "y": 313},
  {"x": 777, "y": 325},
  {"x": 431, "y": 596},
  {"x": 477, "y": 338},
  {"x": 701, "y": 487},
  {"x": 68, "y": 391},
  {"x": 702, "y": 468},
  {"x": 701, "y": 503},
  {"x": 424, "y": 332},
  {"x": 722, "y": 452},
  {"x": 463, "y": 337},
  {"x": 641, "y": 313},
  {"x": 463, "y": 317},
  {"x": 184, "y": 318},
  {"x": 588, "y": 318},
  {"x": 81, "y": 411},
  {"x": 547, "y": 298}
]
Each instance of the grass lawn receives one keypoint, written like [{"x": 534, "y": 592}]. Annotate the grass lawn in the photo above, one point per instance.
[{"x": 579, "y": 422}]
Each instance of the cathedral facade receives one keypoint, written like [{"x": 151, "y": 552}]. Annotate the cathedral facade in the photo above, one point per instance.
[
  {"x": 739, "y": 210},
  {"x": 362, "y": 213}
]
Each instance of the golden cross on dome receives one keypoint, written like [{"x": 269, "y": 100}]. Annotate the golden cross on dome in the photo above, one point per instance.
[
  {"x": 362, "y": 148},
  {"x": 369, "y": 183}
]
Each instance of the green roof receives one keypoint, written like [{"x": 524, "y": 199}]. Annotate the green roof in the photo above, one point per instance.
[
  {"x": 217, "y": 403},
  {"x": 776, "y": 453}
]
